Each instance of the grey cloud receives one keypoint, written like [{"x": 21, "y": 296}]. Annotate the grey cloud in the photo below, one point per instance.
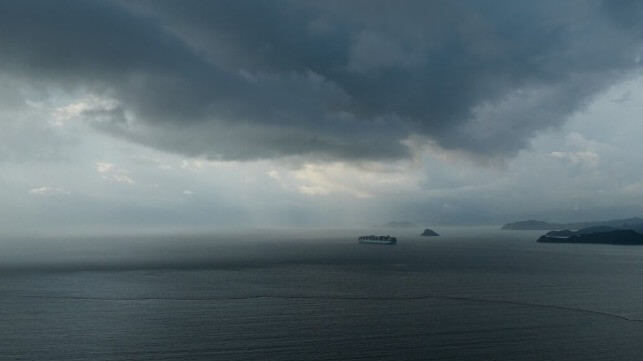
[
  {"x": 331, "y": 80},
  {"x": 24, "y": 135}
]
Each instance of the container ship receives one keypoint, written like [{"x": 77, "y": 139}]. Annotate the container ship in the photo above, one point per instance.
[{"x": 377, "y": 239}]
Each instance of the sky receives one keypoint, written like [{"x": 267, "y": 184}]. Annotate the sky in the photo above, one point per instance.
[{"x": 186, "y": 114}]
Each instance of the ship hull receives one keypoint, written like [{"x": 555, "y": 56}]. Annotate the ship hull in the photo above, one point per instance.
[
  {"x": 387, "y": 240},
  {"x": 377, "y": 242}
]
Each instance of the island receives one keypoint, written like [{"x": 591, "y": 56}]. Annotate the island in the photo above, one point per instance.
[
  {"x": 397, "y": 224},
  {"x": 429, "y": 233}
]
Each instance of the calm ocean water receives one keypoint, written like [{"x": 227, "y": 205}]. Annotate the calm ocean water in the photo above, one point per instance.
[{"x": 467, "y": 295}]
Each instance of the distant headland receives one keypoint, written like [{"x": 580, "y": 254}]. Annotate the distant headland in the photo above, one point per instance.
[
  {"x": 548, "y": 226},
  {"x": 617, "y": 236},
  {"x": 628, "y": 231}
]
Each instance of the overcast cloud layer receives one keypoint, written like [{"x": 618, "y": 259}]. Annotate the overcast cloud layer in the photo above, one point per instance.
[
  {"x": 335, "y": 80},
  {"x": 118, "y": 115}
]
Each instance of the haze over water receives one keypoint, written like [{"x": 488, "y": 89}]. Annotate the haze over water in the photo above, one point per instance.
[{"x": 469, "y": 294}]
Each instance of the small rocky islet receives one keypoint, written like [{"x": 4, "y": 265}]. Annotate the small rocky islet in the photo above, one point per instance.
[{"x": 429, "y": 233}]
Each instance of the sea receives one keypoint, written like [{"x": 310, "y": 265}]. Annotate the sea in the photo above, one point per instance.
[{"x": 470, "y": 294}]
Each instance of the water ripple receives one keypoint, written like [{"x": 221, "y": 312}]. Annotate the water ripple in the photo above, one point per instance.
[{"x": 344, "y": 298}]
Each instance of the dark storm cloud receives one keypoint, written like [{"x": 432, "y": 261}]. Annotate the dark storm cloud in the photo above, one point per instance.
[{"x": 331, "y": 80}]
